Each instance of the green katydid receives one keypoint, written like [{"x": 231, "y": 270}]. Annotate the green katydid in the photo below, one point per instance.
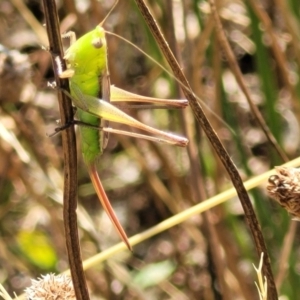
[{"x": 91, "y": 93}]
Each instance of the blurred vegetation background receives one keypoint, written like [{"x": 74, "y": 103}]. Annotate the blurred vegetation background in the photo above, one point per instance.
[{"x": 149, "y": 182}]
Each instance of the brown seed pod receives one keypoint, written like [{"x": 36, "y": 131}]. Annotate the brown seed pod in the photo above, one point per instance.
[{"x": 285, "y": 189}]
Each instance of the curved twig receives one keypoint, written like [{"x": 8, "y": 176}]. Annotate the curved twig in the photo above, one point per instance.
[
  {"x": 70, "y": 158},
  {"x": 217, "y": 145}
]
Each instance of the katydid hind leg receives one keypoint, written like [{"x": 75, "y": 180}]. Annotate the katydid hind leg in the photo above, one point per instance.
[
  {"x": 107, "y": 111},
  {"x": 118, "y": 95}
]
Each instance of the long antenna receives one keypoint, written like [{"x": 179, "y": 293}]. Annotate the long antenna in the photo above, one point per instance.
[{"x": 113, "y": 7}]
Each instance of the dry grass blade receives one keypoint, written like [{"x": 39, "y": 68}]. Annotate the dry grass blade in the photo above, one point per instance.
[
  {"x": 238, "y": 75},
  {"x": 262, "y": 285},
  {"x": 278, "y": 53},
  {"x": 4, "y": 294}
]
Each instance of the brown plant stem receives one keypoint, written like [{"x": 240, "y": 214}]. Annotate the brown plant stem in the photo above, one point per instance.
[
  {"x": 70, "y": 157},
  {"x": 217, "y": 145}
]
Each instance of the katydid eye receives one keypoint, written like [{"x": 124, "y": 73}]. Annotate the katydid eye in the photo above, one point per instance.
[{"x": 97, "y": 43}]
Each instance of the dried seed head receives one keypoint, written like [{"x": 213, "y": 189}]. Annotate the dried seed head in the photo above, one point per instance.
[
  {"x": 51, "y": 287},
  {"x": 285, "y": 189}
]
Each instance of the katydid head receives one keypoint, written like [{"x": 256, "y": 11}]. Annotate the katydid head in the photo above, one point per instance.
[
  {"x": 90, "y": 48},
  {"x": 87, "y": 51},
  {"x": 86, "y": 61}
]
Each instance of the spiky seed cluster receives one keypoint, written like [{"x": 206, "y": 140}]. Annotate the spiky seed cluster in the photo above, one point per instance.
[
  {"x": 51, "y": 287},
  {"x": 285, "y": 189}
]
